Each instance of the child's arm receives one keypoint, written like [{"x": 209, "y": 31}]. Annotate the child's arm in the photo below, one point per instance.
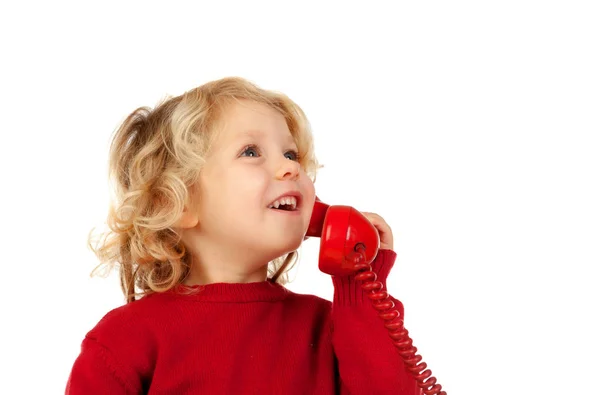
[
  {"x": 368, "y": 362},
  {"x": 97, "y": 371}
]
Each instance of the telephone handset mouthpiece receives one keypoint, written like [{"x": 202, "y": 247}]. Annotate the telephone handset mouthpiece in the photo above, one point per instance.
[{"x": 344, "y": 231}]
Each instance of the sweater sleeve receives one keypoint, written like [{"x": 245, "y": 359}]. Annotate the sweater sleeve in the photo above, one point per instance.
[
  {"x": 96, "y": 371},
  {"x": 367, "y": 360}
]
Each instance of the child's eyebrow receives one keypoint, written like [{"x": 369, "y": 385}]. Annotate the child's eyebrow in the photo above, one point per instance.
[
  {"x": 257, "y": 133},
  {"x": 251, "y": 133}
]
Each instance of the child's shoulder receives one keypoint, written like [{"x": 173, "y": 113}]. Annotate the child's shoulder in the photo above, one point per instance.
[{"x": 130, "y": 321}]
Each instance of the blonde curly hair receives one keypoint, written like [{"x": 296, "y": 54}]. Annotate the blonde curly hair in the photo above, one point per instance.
[{"x": 155, "y": 159}]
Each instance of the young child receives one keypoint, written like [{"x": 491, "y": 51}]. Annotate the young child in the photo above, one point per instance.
[{"x": 203, "y": 252}]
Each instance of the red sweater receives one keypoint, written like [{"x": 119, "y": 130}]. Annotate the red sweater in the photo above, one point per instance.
[{"x": 250, "y": 338}]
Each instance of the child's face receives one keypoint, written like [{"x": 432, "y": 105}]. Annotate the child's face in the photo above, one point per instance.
[{"x": 251, "y": 164}]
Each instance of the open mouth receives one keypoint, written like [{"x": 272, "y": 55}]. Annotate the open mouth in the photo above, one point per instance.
[
  {"x": 284, "y": 207},
  {"x": 287, "y": 203}
]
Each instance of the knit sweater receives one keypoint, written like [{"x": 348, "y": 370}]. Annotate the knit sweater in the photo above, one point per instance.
[{"x": 244, "y": 338}]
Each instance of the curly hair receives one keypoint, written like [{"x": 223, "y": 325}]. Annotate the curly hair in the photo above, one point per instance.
[{"x": 155, "y": 159}]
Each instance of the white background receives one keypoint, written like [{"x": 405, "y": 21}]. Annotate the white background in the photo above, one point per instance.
[{"x": 471, "y": 127}]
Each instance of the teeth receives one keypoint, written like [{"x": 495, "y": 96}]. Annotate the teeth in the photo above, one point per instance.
[{"x": 288, "y": 200}]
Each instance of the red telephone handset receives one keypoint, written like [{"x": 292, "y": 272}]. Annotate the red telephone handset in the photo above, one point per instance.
[
  {"x": 342, "y": 230},
  {"x": 349, "y": 243}
]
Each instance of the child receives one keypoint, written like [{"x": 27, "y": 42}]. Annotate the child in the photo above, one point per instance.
[{"x": 204, "y": 248}]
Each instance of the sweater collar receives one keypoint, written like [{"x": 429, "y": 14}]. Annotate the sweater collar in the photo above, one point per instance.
[{"x": 263, "y": 291}]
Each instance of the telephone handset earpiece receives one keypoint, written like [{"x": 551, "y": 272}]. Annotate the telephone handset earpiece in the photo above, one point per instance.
[{"x": 349, "y": 243}]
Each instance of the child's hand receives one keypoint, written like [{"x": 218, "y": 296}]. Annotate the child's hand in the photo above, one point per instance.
[{"x": 386, "y": 238}]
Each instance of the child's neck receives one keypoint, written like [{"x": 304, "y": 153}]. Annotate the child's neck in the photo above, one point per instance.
[
  {"x": 195, "y": 278},
  {"x": 215, "y": 262},
  {"x": 225, "y": 272}
]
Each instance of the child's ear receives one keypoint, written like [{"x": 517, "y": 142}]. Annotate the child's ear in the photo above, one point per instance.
[{"x": 188, "y": 219}]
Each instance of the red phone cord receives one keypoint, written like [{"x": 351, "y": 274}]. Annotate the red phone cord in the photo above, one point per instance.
[{"x": 399, "y": 334}]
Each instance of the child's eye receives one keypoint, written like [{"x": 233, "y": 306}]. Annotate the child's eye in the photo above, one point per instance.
[
  {"x": 293, "y": 155},
  {"x": 251, "y": 150}
]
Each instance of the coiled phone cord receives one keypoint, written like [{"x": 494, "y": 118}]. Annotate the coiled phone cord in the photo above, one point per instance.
[{"x": 395, "y": 325}]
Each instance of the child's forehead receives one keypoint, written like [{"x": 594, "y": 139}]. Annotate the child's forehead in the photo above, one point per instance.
[
  {"x": 252, "y": 120},
  {"x": 248, "y": 111}
]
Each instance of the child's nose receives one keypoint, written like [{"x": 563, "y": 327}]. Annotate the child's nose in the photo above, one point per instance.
[{"x": 288, "y": 169}]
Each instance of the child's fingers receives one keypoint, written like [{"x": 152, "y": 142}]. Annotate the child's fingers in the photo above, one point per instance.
[{"x": 386, "y": 237}]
